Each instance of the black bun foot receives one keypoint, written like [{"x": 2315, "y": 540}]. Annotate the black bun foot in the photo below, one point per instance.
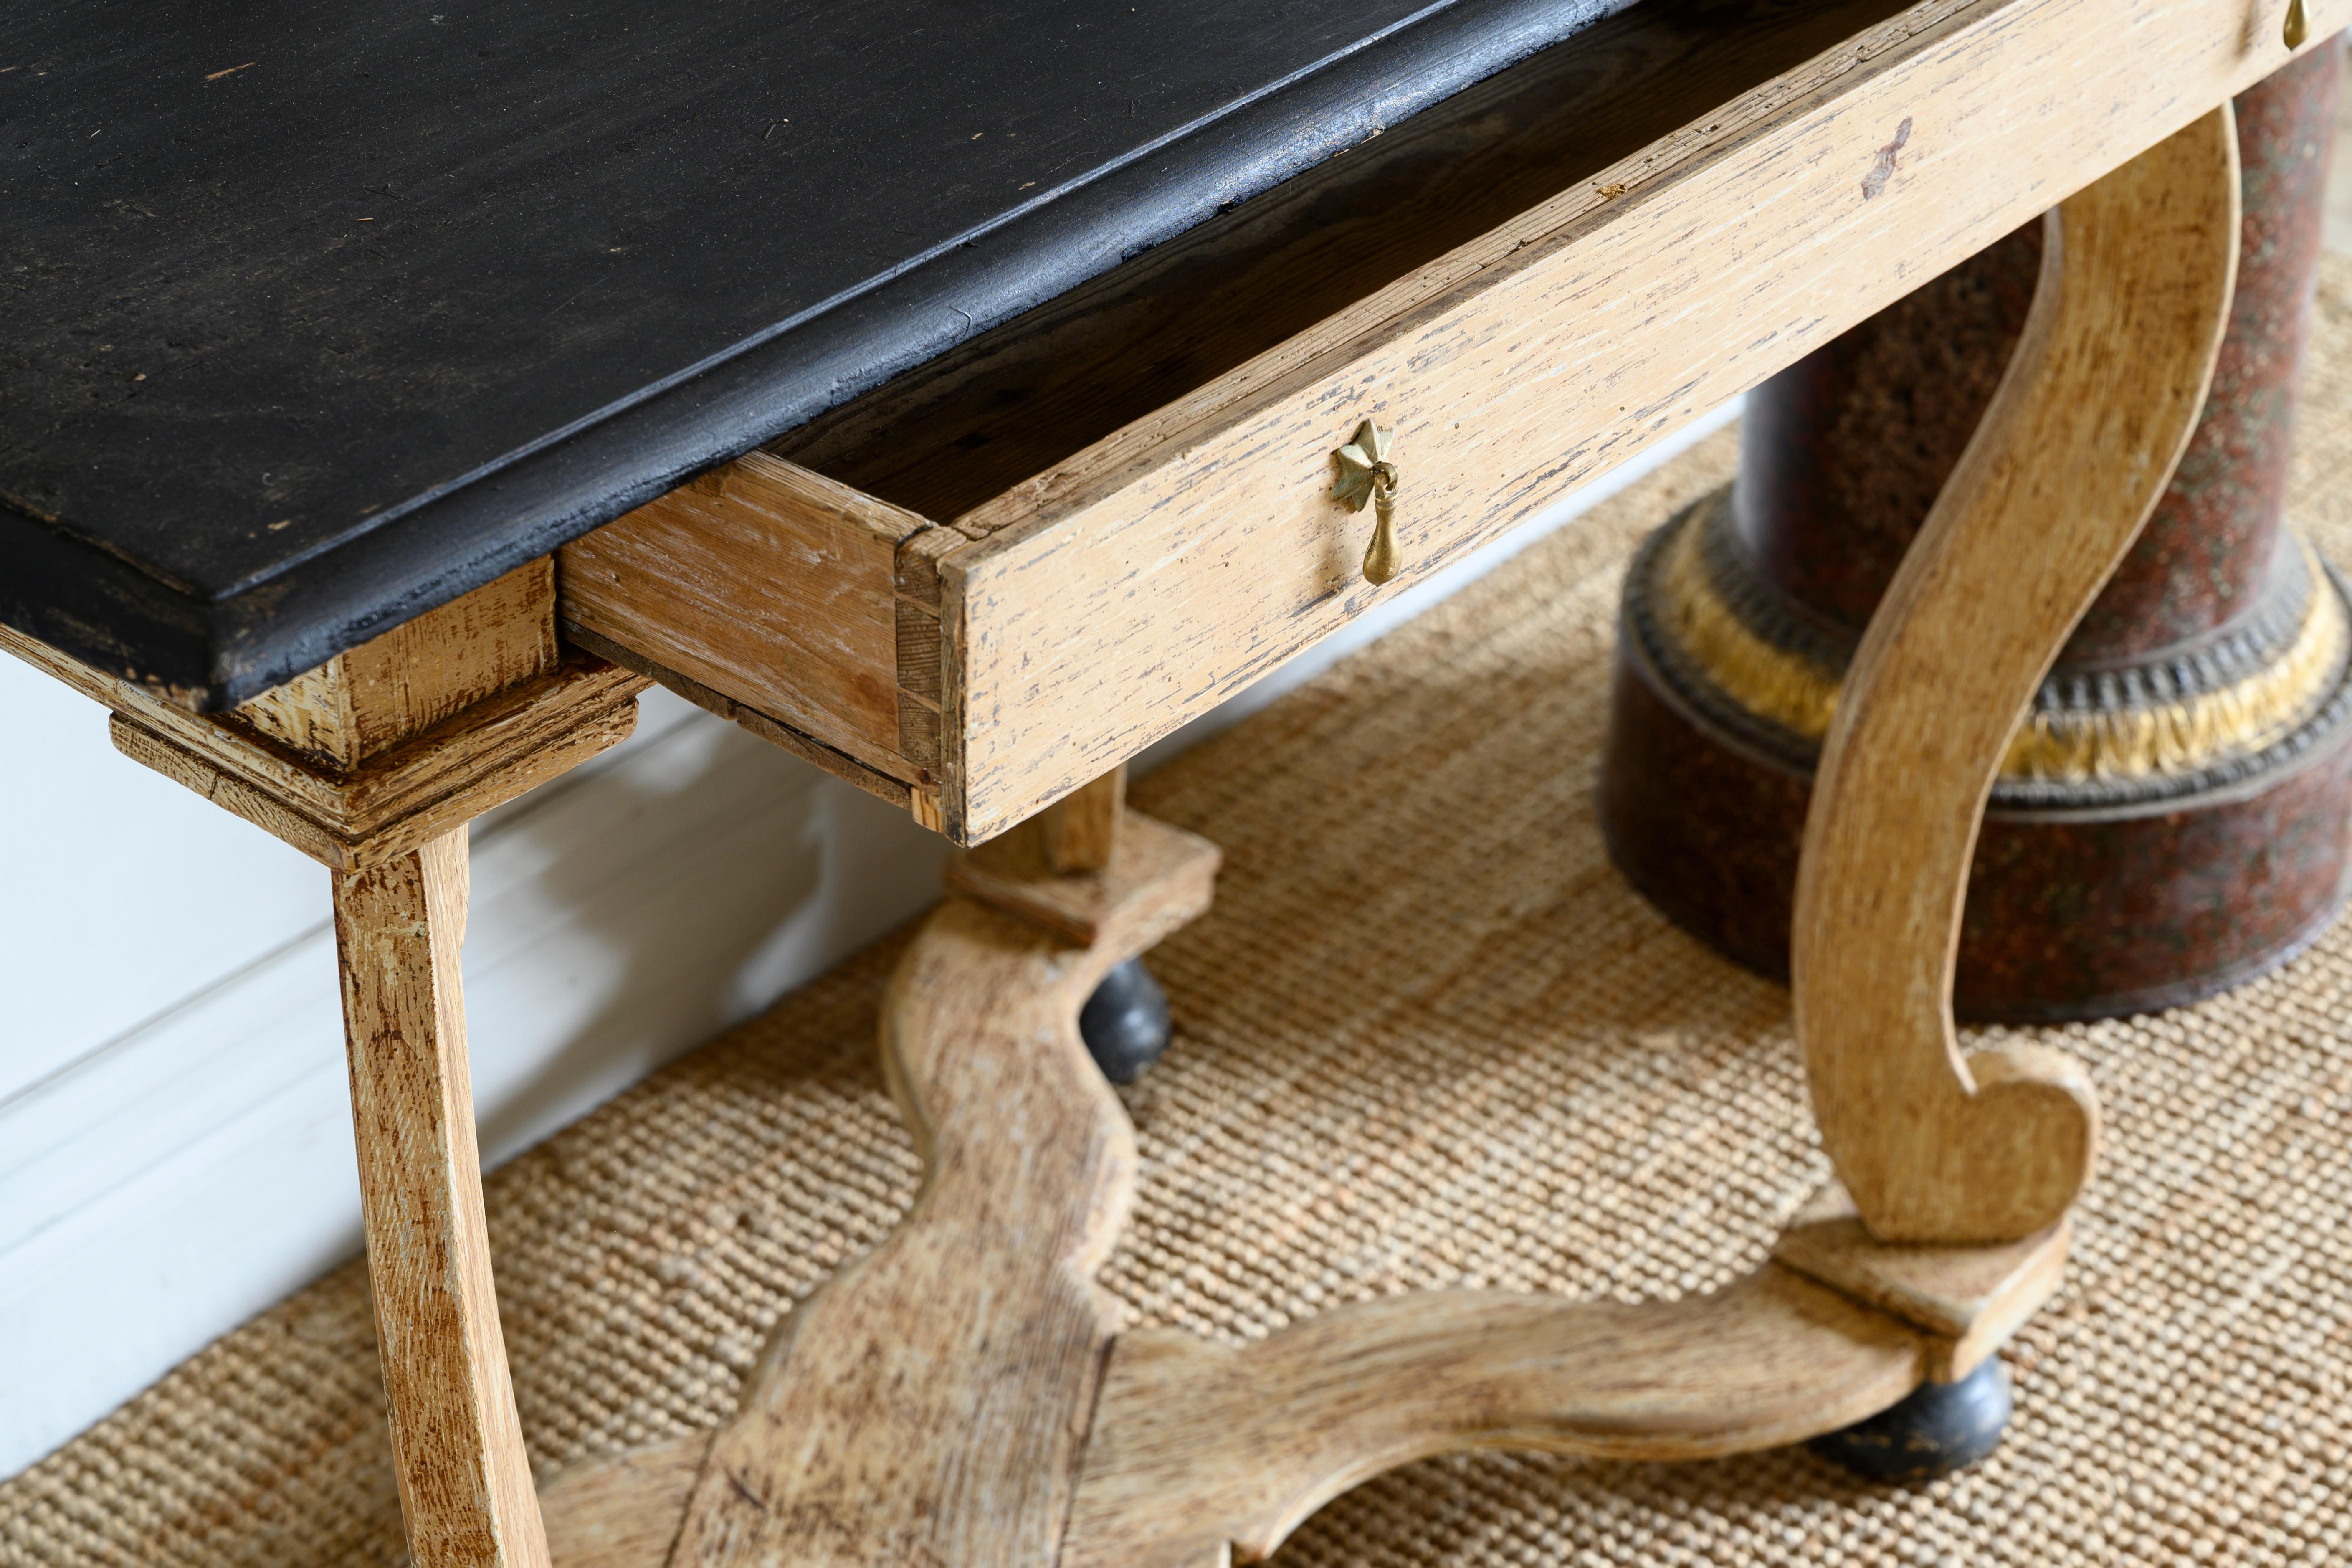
[
  {"x": 1125, "y": 1022},
  {"x": 1939, "y": 1429}
]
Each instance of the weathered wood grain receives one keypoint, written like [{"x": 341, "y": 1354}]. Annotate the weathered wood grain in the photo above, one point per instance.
[
  {"x": 460, "y": 765},
  {"x": 767, "y": 584},
  {"x": 623, "y": 1511},
  {"x": 384, "y": 690},
  {"x": 1079, "y": 831},
  {"x": 1014, "y": 873},
  {"x": 485, "y": 756},
  {"x": 374, "y": 764},
  {"x": 2078, "y": 445},
  {"x": 848, "y": 769},
  {"x": 927, "y": 1405},
  {"x": 1195, "y": 1447},
  {"x": 465, "y": 1481},
  {"x": 1136, "y": 584},
  {"x": 1196, "y": 1444},
  {"x": 1969, "y": 1300}
]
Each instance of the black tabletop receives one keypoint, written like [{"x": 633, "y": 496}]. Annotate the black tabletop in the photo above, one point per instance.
[{"x": 316, "y": 315}]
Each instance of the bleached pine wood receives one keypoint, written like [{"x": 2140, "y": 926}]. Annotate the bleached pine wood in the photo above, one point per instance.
[
  {"x": 782, "y": 736},
  {"x": 1133, "y": 586},
  {"x": 380, "y": 693},
  {"x": 465, "y": 1481},
  {"x": 1056, "y": 630},
  {"x": 1080, "y": 831},
  {"x": 413, "y": 791},
  {"x": 1969, "y": 1300},
  {"x": 1196, "y": 1444},
  {"x": 926, "y": 1404},
  {"x": 2076, "y": 448},
  {"x": 491, "y": 753},
  {"x": 624, "y": 1511},
  {"x": 1011, "y": 873},
  {"x": 375, "y": 762},
  {"x": 1196, "y": 1447},
  {"x": 768, "y": 584}
]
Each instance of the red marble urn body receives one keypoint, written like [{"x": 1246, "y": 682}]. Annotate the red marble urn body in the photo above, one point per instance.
[{"x": 2173, "y": 816}]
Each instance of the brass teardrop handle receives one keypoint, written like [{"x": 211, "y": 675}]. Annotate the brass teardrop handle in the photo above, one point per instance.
[
  {"x": 2298, "y": 25},
  {"x": 1367, "y": 473}
]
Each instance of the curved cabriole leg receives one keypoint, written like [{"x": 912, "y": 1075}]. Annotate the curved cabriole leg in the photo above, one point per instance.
[{"x": 2078, "y": 447}]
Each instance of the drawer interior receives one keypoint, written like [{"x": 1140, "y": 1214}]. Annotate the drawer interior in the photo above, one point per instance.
[{"x": 947, "y": 438}]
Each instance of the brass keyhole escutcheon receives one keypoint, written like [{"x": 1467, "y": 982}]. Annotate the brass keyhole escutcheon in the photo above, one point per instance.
[{"x": 1367, "y": 473}]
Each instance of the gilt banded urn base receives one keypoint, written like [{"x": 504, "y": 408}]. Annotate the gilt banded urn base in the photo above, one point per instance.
[
  {"x": 2163, "y": 829},
  {"x": 2173, "y": 816}
]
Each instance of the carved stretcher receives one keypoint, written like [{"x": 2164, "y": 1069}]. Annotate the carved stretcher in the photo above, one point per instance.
[{"x": 961, "y": 1396}]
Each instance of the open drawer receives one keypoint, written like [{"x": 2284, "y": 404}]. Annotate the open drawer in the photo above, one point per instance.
[{"x": 1008, "y": 572}]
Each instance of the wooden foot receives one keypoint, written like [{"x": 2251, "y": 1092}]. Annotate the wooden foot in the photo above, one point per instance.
[
  {"x": 2078, "y": 446},
  {"x": 465, "y": 1481},
  {"x": 1936, "y": 1429},
  {"x": 1125, "y": 1023}
]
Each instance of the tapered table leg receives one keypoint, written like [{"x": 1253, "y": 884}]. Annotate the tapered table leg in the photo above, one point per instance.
[{"x": 465, "y": 1481}]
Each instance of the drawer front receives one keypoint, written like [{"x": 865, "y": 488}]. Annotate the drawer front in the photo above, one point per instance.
[{"x": 1117, "y": 597}]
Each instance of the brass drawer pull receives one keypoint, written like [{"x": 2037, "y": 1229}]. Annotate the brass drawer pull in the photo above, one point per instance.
[{"x": 1366, "y": 474}]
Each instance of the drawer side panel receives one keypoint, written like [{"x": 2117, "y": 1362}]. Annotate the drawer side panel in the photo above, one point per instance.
[{"x": 767, "y": 584}]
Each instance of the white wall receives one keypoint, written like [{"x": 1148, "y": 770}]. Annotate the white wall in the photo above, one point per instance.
[{"x": 175, "y": 1147}]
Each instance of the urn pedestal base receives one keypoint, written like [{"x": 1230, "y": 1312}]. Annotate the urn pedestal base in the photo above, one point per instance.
[{"x": 2091, "y": 897}]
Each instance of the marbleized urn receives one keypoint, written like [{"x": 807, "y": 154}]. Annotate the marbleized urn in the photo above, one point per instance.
[{"x": 2172, "y": 815}]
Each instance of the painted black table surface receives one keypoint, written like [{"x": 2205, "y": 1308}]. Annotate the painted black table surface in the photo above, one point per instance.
[{"x": 317, "y": 315}]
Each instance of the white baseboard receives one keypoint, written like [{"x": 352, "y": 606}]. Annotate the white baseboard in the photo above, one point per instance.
[
  {"x": 162, "y": 1184},
  {"x": 191, "y": 1171}
]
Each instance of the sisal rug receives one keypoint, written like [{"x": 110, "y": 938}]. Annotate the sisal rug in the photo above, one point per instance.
[{"x": 1426, "y": 1039}]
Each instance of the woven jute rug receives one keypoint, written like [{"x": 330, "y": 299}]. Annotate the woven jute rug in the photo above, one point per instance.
[{"x": 1427, "y": 1037}]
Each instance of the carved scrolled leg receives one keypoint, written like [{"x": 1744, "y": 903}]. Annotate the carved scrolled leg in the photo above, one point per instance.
[
  {"x": 2078, "y": 446},
  {"x": 958, "y": 1397}
]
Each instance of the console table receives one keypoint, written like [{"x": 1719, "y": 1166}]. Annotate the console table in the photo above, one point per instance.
[{"x": 963, "y": 402}]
